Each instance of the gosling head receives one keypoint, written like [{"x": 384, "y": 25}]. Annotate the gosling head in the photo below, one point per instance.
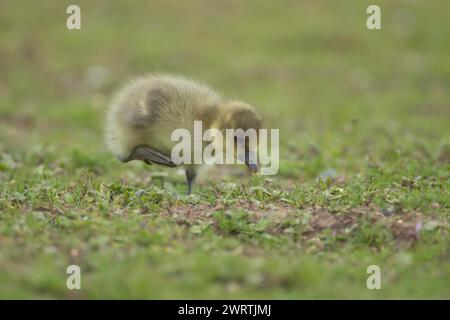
[{"x": 241, "y": 117}]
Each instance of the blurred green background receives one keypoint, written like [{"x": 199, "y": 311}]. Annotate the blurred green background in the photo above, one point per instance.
[{"x": 367, "y": 109}]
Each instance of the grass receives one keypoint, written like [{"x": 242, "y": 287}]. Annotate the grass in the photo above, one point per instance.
[{"x": 365, "y": 152}]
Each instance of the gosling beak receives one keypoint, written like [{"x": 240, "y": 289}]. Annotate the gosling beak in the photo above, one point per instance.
[
  {"x": 251, "y": 161},
  {"x": 253, "y": 167}
]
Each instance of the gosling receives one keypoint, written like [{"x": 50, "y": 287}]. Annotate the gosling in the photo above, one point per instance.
[{"x": 146, "y": 110}]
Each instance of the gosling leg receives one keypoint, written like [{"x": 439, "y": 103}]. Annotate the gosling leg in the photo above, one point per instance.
[{"x": 191, "y": 174}]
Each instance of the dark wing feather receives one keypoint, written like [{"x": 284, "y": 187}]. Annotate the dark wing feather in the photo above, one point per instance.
[{"x": 150, "y": 155}]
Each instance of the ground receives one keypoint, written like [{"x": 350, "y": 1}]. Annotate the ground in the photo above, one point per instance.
[{"x": 364, "y": 119}]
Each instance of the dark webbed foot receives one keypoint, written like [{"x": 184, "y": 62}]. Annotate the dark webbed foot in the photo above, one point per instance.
[{"x": 191, "y": 174}]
